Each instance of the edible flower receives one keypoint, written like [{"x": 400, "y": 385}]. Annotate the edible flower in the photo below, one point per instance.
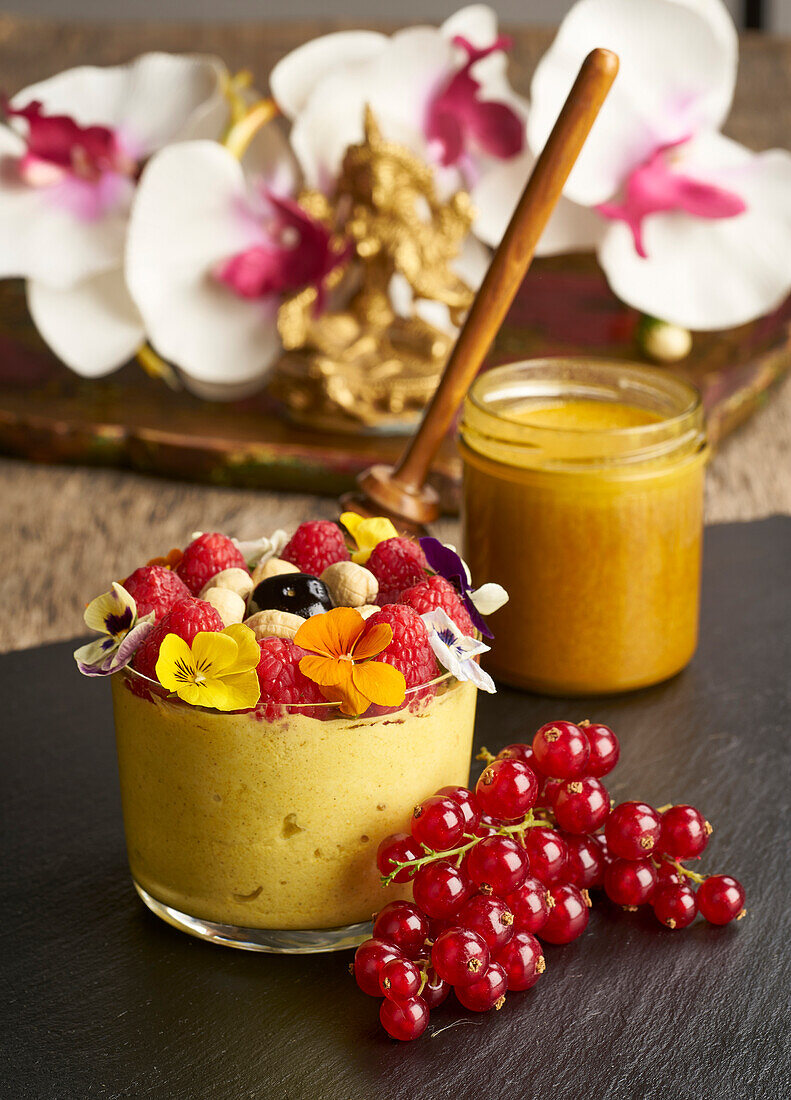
[
  {"x": 114, "y": 615},
  {"x": 218, "y": 670},
  {"x": 367, "y": 533},
  {"x": 456, "y": 651},
  {"x": 481, "y": 601},
  {"x": 169, "y": 560},
  {"x": 341, "y": 647},
  {"x": 257, "y": 551}
]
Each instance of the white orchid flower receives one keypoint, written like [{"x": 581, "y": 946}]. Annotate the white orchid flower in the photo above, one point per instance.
[
  {"x": 213, "y": 245},
  {"x": 456, "y": 651},
  {"x": 441, "y": 91},
  {"x": 72, "y": 151},
  {"x": 693, "y": 228}
]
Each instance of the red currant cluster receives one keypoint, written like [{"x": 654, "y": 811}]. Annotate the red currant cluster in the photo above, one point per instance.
[{"x": 494, "y": 868}]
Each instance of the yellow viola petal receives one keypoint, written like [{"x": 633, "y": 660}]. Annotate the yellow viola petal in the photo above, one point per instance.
[
  {"x": 372, "y": 641},
  {"x": 175, "y": 663},
  {"x": 213, "y": 693},
  {"x": 190, "y": 692},
  {"x": 213, "y": 652},
  {"x": 367, "y": 533},
  {"x": 244, "y": 690},
  {"x": 249, "y": 651},
  {"x": 113, "y": 612},
  {"x": 333, "y": 634},
  {"x": 380, "y": 682}
]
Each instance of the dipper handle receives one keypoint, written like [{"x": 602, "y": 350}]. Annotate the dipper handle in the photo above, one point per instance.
[{"x": 506, "y": 272}]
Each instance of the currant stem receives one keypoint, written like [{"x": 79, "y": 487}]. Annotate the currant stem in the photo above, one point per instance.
[
  {"x": 484, "y": 754},
  {"x": 689, "y": 874},
  {"x": 528, "y": 822}
]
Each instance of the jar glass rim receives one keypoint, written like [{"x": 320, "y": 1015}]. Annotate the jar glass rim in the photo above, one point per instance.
[{"x": 620, "y": 369}]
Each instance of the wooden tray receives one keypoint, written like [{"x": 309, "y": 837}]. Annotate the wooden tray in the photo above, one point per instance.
[{"x": 49, "y": 414}]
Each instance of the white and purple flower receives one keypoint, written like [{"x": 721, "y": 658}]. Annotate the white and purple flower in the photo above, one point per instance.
[
  {"x": 485, "y": 600},
  {"x": 114, "y": 616},
  {"x": 692, "y": 227},
  {"x": 70, "y": 157},
  {"x": 455, "y": 651}
]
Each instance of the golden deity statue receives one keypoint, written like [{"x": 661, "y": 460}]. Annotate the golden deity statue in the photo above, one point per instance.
[{"x": 369, "y": 357}]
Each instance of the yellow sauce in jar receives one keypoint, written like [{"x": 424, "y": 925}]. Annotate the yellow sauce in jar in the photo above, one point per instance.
[{"x": 583, "y": 494}]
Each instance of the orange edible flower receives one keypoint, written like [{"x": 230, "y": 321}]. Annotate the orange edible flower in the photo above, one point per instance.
[
  {"x": 340, "y": 649},
  {"x": 171, "y": 560}
]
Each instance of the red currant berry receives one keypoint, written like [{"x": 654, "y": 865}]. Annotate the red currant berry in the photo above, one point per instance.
[
  {"x": 440, "y": 889},
  {"x": 438, "y": 823},
  {"x": 506, "y": 790},
  {"x": 581, "y": 805},
  {"x": 435, "y": 990},
  {"x": 684, "y": 833},
  {"x": 529, "y": 905},
  {"x": 667, "y": 873},
  {"x": 568, "y": 914},
  {"x": 518, "y": 751},
  {"x": 548, "y": 792},
  {"x": 487, "y": 991},
  {"x": 721, "y": 899},
  {"x": 394, "y": 849},
  {"x": 499, "y": 863},
  {"x": 522, "y": 960},
  {"x": 674, "y": 904},
  {"x": 548, "y": 854},
  {"x": 630, "y": 882},
  {"x": 490, "y": 917},
  {"x": 465, "y": 800},
  {"x": 561, "y": 750},
  {"x": 459, "y": 956},
  {"x": 402, "y": 924},
  {"x": 404, "y": 1020},
  {"x": 604, "y": 749},
  {"x": 487, "y": 826},
  {"x": 585, "y": 866},
  {"x": 399, "y": 979},
  {"x": 632, "y": 830},
  {"x": 369, "y": 958}
]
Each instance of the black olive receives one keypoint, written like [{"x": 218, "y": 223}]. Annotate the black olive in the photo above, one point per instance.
[{"x": 299, "y": 593}]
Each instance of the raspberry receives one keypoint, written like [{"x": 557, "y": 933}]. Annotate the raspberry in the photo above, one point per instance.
[
  {"x": 280, "y": 676},
  {"x": 315, "y": 545},
  {"x": 186, "y": 618},
  {"x": 397, "y": 564},
  {"x": 206, "y": 556},
  {"x": 437, "y": 592},
  {"x": 410, "y": 650},
  {"x": 155, "y": 588}
]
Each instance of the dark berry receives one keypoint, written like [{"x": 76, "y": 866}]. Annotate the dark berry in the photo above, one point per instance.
[{"x": 298, "y": 593}]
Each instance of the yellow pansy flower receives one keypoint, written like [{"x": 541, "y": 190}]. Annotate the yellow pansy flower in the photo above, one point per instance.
[
  {"x": 367, "y": 533},
  {"x": 218, "y": 670}
]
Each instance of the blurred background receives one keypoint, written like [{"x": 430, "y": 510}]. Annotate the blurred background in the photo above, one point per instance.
[{"x": 773, "y": 15}]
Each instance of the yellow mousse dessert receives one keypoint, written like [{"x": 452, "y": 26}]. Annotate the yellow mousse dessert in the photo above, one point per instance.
[
  {"x": 281, "y": 706},
  {"x": 275, "y": 823},
  {"x": 583, "y": 492}
]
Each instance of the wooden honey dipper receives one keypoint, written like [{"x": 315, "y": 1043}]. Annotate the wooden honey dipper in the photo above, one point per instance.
[{"x": 400, "y": 491}]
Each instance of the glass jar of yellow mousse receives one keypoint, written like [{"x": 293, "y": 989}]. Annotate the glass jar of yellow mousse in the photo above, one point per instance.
[
  {"x": 583, "y": 494},
  {"x": 259, "y": 829}
]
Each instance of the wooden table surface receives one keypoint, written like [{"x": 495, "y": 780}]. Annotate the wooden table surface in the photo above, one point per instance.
[{"x": 67, "y": 532}]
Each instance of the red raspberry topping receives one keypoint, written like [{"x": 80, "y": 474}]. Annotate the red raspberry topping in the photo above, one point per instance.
[
  {"x": 206, "y": 556},
  {"x": 155, "y": 588},
  {"x": 186, "y": 618},
  {"x": 410, "y": 650},
  {"x": 315, "y": 545},
  {"x": 437, "y": 592},
  {"x": 280, "y": 676},
  {"x": 397, "y": 564}
]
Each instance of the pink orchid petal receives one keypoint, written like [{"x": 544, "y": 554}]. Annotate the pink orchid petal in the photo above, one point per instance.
[
  {"x": 654, "y": 187},
  {"x": 456, "y": 117}
]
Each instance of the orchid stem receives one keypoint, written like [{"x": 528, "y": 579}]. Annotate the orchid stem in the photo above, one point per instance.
[
  {"x": 242, "y": 132},
  {"x": 156, "y": 367}
]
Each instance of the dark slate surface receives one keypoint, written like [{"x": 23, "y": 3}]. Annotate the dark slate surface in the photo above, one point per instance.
[{"x": 100, "y": 999}]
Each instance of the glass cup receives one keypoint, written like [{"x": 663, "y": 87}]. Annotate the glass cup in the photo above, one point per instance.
[
  {"x": 583, "y": 496},
  {"x": 259, "y": 829}
]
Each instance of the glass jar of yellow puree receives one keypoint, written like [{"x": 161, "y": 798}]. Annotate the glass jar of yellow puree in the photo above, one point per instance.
[{"x": 583, "y": 496}]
